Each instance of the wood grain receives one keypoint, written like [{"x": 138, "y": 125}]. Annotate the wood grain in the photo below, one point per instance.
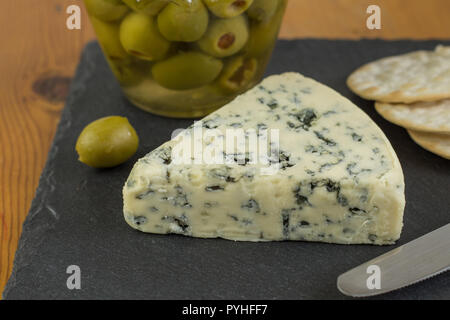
[
  {"x": 335, "y": 19},
  {"x": 39, "y": 54}
]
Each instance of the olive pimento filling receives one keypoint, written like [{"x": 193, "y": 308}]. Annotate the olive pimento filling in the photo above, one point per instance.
[
  {"x": 239, "y": 4},
  {"x": 226, "y": 40}
]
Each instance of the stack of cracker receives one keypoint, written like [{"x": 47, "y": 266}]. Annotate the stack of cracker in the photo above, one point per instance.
[{"x": 412, "y": 91}]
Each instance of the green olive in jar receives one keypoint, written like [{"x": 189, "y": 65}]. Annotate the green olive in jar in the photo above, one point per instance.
[
  {"x": 108, "y": 35},
  {"x": 183, "y": 21},
  {"x": 262, "y": 10},
  {"x": 225, "y": 37},
  {"x": 186, "y": 70},
  {"x": 238, "y": 74},
  {"x": 129, "y": 72},
  {"x": 150, "y": 7},
  {"x": 106, "y": 10},
  {"x": 107, "y": 142},
  {"x": 263, "y": 34},
  {"x": 227, "y": 8},
  {"x": 140, "y": 37}
]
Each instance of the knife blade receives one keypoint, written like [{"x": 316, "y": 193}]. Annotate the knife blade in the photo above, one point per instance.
[{"x": 415, "y": 261}]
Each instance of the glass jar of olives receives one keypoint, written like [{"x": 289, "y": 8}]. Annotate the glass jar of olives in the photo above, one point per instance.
[{"x": 186, "y": 58}]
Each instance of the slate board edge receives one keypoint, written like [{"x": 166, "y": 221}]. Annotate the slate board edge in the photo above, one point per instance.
[{"x": 45, "y": 186}]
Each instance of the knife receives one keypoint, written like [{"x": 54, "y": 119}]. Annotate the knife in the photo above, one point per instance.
[{"x": 415, "y": 261}]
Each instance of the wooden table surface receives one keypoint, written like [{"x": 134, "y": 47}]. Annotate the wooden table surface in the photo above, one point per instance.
[{"x": 39, "y": 54}]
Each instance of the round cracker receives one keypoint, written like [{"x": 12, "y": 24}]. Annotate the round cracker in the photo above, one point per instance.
[
  {"x": 412, "y": 77},
  {"x": 432, "y": 116},
  {"x": 437, "y": 143}
]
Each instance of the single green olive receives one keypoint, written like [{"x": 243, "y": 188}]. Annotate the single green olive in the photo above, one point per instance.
[
  {"x": 238, "y": 74},
  {"x": 106, "y": 10},
  {"x": 108, "y": 36},
  {"x": 263, "y": 34},
  {"x": 140, "y": 37},
  {"x": 183, "y": 21},
  {"x": 186, "y": 70},
  {"x": 227, "y": 8},
  {"x": 150, "y": 7},
  {"x": 225, "y": 37},
  {"x": 107, "y": 142},
  {"x": 262, "y": 10}
]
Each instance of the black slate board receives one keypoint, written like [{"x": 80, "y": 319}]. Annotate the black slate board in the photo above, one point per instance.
[{"x": 76, "y": 217}]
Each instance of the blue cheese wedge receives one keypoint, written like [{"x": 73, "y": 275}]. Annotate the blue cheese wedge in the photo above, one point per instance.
[{"x": 330, "y": 174}]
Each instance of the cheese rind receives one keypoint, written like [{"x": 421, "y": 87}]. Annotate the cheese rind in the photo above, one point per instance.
[{"x": 338, "y": 179}]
